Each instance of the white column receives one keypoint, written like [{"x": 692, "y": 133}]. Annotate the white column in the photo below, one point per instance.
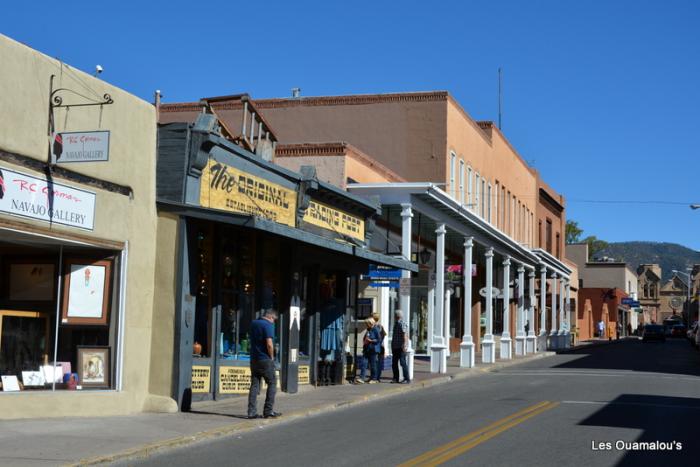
[
  {"x": 530, "y": 339},
  {"x": 567, "y": 315},
  {"x": 405, "y": 300},
  {"x": 438, "y": 355},
  {"x": 542, "y": 340},
  {"x": 562, "y": 322},
  {"x": 488, "y": 346},
  {"x": 506, "y": 344},
  {"x": 466, "y": 353},
  {"x": 448, "y": 317},
  {"x": 431, "y": 312},
  {"x": 553, "y": 332},
  {"x": 520, "y": 317}
]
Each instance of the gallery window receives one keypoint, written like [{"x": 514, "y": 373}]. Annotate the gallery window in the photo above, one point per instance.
[{"x": 59, "y": 316}]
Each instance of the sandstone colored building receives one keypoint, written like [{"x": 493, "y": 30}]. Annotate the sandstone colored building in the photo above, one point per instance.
[{"x": 77, "y": 242}]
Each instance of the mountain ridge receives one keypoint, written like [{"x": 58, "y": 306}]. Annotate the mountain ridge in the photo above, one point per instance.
[{"x": 667, "y": 255}]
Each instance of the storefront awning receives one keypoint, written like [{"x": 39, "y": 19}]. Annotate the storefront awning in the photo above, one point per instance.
[
  {"x": 285, "y": 231},
  {"x": 427, "y": 198}
]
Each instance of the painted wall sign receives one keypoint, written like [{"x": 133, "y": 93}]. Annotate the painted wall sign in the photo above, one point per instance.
[
  {"x": 201, "y": 378},
  {"x": 29, "y": 196},
  {"x": 84, "y": 146},
  {"x": 335, "y": 220},
  {"x": 230, "y": 189}
]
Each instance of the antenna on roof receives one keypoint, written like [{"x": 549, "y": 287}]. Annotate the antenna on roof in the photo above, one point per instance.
[{"x": 500, "y": 96}]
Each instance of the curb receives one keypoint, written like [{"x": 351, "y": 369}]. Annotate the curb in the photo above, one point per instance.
[
  {"x": 596, "y": 344},
  {"x": 146, "y": 450}
]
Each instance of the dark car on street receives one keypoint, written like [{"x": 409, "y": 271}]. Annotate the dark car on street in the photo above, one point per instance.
[
  {"x": 653, "y": 332},
  {"x": 678, "y": 330}
]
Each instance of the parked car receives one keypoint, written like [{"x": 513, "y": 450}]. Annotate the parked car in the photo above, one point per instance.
[
  {"x": 653, "y": 332},
  {"x": 691, "y": 332},
  {"x": 678, "y": 330}
]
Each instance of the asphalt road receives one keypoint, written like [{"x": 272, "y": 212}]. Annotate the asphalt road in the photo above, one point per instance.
[{"x": 547, "y": 412}]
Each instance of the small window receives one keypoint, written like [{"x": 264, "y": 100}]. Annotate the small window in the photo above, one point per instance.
[
  {"x": 453, "y": 159},
  {"x": 483, "y": 197},
  {"x": 488, "y": 213},
  {"x": 470, "y": 189},
  {"x": 461, "y": 181},
  {"x": 477, "y": 192}
]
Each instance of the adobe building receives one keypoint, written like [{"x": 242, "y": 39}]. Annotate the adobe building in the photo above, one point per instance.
[
  {"x": 426, "y": 159},
  {"x": 649, "y": 286},
  {"x": 77, "y": 241},
  {"x": 604, "y": 283}
]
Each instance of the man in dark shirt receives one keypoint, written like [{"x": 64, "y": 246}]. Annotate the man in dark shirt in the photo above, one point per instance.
[{"x": 262, "y": 364}]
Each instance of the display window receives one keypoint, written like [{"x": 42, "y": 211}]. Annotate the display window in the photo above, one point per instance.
[
  {"x": 237, "y": 277},
  {"x": 58, "y": 316}
]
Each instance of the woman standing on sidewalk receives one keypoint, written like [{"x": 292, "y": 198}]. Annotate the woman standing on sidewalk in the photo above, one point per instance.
[{"x": 373, "y": 343}]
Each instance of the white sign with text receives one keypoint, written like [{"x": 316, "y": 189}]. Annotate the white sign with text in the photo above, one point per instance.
[
  {"x": 36, "y": 198},
  {"x": 84, "y": 146}
]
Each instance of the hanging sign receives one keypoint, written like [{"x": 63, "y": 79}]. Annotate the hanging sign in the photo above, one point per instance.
[
  {"x": 230, "y": 189},
  {"x": 28, "y": 196},
  {"x": 335, "y": 220},
  {"x": 85, "y": 146}
]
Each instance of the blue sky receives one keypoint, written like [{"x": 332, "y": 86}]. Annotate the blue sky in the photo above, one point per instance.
[{"x": 603, "y": 97}]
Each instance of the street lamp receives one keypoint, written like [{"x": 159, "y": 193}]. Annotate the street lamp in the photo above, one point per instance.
[{"x": 687, "y": 303}]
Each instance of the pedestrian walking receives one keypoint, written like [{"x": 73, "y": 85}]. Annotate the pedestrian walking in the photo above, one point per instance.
[
  {"x": 399, "y": 347},
  {"x": 373, "y": 342},
  {"x": 601, "y": 329},
  {"x": 629, "y": 329},
  {"x": 618, "y": 328},
  {"x": 262, "y": 364}
]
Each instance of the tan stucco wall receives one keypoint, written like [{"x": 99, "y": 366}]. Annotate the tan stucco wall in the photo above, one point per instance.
[
  {"x": 165, "y": 284},
  {"x": 329, "y": 169},
  {"x": 494, "y": 159},
  {"x": 24, "y": 80},
  {"x": 406, "y": 136}
]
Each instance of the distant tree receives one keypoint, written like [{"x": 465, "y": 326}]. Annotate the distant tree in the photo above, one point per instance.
[
  {"x": 595, "y": 245},
  {"x": 573, "y": 232}
]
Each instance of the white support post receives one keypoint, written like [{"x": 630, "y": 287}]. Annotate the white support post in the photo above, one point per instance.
[
  {"x": 448, "y": 316},
  {"x": 506, "y": 344},
  {"x": 405, "y": 300},
  {"x": 530, "y": 339},
  {"x": 466, "y": 348},
  {"x": 554, "y": 331},
  {"x": 542, "y": 340},
  {"x": 571, "y": 320},
  {"x": 438, "y": 355},
  {"x": 488, "y": 346},
  {"x": 520, "y": 317},
  {"x": 562, "y": 322}
]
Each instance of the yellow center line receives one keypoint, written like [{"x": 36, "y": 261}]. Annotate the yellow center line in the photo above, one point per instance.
[
  {"x": 486, "y": 436},
  {"x": 481, "y": 431}
]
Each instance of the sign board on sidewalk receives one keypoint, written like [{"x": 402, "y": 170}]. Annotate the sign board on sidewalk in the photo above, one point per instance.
[{"x": 405, "y": 286}]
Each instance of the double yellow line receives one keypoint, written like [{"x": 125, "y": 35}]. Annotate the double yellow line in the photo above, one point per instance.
[{"x": 461, "y": 445}]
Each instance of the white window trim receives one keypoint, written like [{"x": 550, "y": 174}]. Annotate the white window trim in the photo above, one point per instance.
[
  {"x": 453, "y": 162},
  {"x": 477, "y": 182},
  {"x": 461, "y": 181},
  {"x": 470, "y": 188},
  {"x": 489, "y": 203}
]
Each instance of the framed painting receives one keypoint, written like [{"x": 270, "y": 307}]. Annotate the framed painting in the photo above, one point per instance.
[
  {"x": 31, "y": 280},
  {"x": 86, "y": 292},
  {"x": 94, "y": 366}
]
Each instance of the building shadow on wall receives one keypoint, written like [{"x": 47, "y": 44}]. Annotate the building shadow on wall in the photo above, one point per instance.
[
  {"x": 664, "y": 421},
  {"x": 675, "y": 356}
]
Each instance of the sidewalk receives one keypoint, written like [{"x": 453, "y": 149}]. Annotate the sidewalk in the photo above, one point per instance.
[{"x": 89, "y": 441}]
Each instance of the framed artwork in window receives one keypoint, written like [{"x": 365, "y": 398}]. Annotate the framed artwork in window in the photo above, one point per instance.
[
  {"x": 31, "y": 280},
  {"x": 94, "y": 367},
  {"x": 86, "y": 292}
]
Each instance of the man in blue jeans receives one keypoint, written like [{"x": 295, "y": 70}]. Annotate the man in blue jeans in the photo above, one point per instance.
[
  {"x": 262, "y": 364},
  {"x": 399, "y": 347}
]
